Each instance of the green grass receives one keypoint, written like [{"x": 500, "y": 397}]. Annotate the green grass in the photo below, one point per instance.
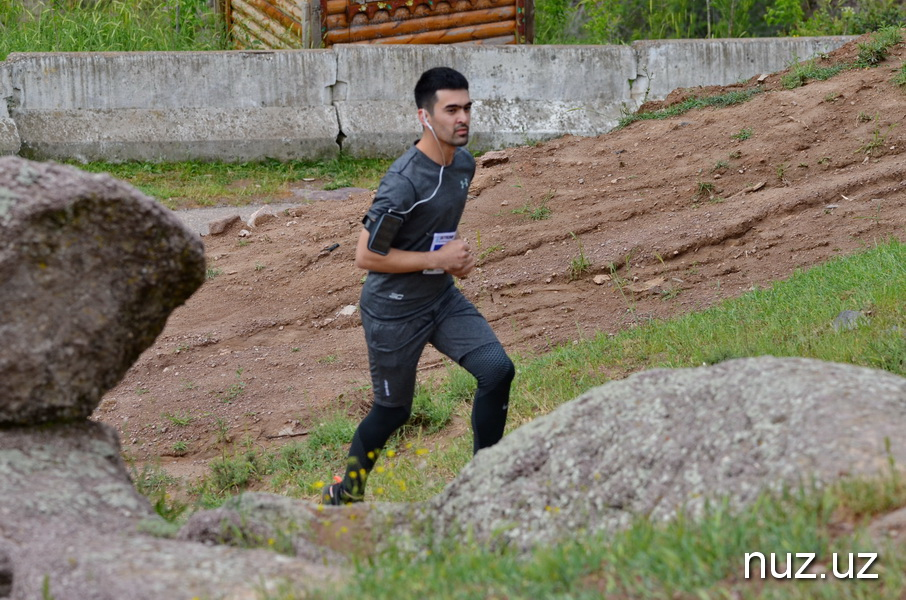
[
  {"x": 875, "y": 50},
  {"x": 791, "y": 318},
  {"x": 801, "y": 72},
  {"x": 899, "y": 79},
  {"x": 684, "y": 558},
  {"x": 728, "y": 99},
  {"x": 871, "y": 53},
  {"x": 111, "y": 26},
  {"x": 197, "y": 184}
]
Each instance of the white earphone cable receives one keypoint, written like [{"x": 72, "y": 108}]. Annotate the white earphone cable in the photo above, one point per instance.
[{"x": 440, "y": 176}]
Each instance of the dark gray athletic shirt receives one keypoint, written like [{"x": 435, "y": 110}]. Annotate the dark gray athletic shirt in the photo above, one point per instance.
[{"x": 411, "y": 178}]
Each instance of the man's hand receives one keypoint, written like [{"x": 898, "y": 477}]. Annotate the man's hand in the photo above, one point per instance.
[{"x": 456, "y": 258}]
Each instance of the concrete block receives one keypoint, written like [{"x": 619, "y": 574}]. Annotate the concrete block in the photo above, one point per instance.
[
  {"x": 230, "y": 135},
  {"x": 670, "y": 64},
  {"x": 521, "y": 93},
  {"x": 176, "y": 106},
  {"x": 9, "y": 133}
]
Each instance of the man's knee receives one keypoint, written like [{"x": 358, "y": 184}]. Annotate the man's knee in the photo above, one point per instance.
[{"x": 491, "y": 366}]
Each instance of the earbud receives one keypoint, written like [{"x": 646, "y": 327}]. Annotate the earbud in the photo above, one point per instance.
[{"x": 424, "y": 119}]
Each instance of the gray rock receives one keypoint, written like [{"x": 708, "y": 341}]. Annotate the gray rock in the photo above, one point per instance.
[
  {"x": 223, "y": 224},
  {"x": 91, "y": 268},
  {"x": 75, "y": 522},
  {"x": 848, "y": 320},
  {"x": 664, "y": 439}
]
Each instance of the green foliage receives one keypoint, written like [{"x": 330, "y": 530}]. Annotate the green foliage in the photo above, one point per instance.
[
  {"x": 900, "y": 78},
  {"x": 875, "y": 50},
  {"x": 801, "y": 72},
  {"x": 686, "y": 557},
  {"x": 435, "y": 404},
  {"x": 733, "y": 18},
  {"x": 537, "y": 213},
  {"x": 554, "y": 21},
  {"x": 114, "y": 26},
  {"x": 728, "y": 99},
  {"x": 579, "y": 265},
  {"x": 624, "y": 21},
  {"x": 335, "y": 432},
  {"x": 743, "y": 134},
  {"x": 785, "y": 14},
  {"x": 839, "y": 17},
  {"x": 230, "y": 475},
  {"x": 192, "y": 184}
]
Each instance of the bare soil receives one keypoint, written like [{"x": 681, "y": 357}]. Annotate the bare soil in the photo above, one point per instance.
[{"x": 670, "y": 215}]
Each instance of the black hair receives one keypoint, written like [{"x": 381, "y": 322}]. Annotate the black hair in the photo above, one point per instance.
[{"x": 438, "y": 78}]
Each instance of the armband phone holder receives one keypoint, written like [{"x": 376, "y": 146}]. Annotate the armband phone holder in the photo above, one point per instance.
[{"x": 384, "y": 232}]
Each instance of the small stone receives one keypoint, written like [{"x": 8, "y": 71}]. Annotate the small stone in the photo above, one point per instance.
[
  {"x": 261, "y": 216},
  {"x": 601, "y": 279},
  {"x": 490, "y": 159},
  {"x": 347, "y": 311},
  {"x": 221, "y": 225}
]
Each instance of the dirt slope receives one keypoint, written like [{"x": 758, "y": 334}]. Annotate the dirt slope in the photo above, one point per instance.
[{"x": 687, "y": 212}]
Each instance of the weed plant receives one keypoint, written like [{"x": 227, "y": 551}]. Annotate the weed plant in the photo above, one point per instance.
[
  {"x": 728, "y": 99},
  {"x": 875, "y": 50},
  {"x": 540, "y": 212},
  {"x": 900, "y": 78},
  {"x": 871, "y": 53},
  {"x": 110, "y": 26},
  {"x": 579, "y": 265}
]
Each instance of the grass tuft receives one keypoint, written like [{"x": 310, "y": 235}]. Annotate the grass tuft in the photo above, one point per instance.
[
  {"x": 110, "y": 26},
  {"x": 728, "y": 99},
  {"x": 197, "y": 184}
]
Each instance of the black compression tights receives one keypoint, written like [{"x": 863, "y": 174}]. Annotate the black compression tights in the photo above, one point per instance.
[{"x": 493, "y": 371}]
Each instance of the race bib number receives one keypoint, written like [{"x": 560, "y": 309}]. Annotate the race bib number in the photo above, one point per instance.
[{"x": 439, "y": 240}]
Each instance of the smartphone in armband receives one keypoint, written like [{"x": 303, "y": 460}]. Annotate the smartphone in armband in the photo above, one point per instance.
[{"x": 384, "y": 232}]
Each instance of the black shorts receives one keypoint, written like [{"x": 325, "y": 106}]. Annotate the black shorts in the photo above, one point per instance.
[{"x": 451, "y": 324}]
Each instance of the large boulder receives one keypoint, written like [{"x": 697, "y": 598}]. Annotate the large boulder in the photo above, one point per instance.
[
  {"x": 665, "y": 440},
  {"x": 653, "y": 444},
  {"x": 90, "y": 271},
  {"x": 76, "y": 527},
  {"x": 91, "y": 268}
]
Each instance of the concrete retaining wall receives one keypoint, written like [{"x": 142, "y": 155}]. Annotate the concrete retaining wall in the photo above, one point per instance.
[{"x": 237, "y": 106}]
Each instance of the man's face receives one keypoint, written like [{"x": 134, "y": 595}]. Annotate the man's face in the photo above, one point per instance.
[{"x": 451, "y": 115}]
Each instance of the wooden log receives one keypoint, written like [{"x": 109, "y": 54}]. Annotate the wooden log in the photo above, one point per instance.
[
  {"x": 504, "y": 40},
  {"x": 272, "y": 12},
  {"x": 254, "y": 31},
  {"x": 336, "y": 21},
  {"x": 335, "y": 7},
  {"x": 293, "y": 9},
  {"x": 424, "y": 25},
  {"x": 258, "y": 25},
  {"x": 449, "y": 36}
]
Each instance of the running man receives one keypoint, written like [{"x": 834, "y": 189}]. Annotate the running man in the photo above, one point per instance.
[{"x": 412, "y": 250}]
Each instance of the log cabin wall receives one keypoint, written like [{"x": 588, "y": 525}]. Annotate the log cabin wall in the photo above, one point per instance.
[
  {"x": 300, "y": 24},
  {"x": 427, "y": 22},
  {"x": 274, "y": 24}
]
